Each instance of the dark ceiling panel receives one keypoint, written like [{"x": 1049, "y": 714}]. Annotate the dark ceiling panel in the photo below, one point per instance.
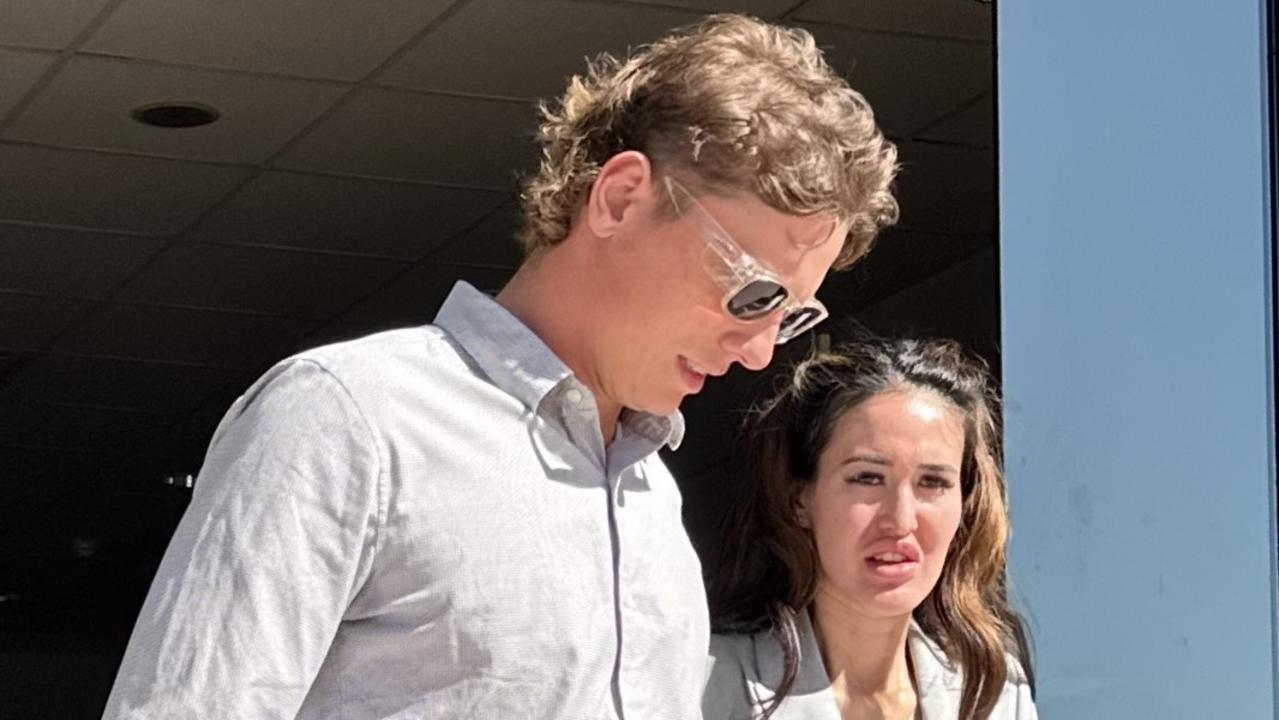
[
  {"x": 972, "y": 124},
  {"x": 90, "y": 101},
  {"x": 237, "y": 277},
  {"x": 188, "y": 438},
  {"x": 762, "y": 8},
  {"x": 946, "y": 188},
  {"x": 129, "y": 384},
  {"x": 960, "y": 19},
  {"x": 21, "y": 70},
  {"x": 77, "y": 427},
  {"x": 910, "y": 81},
  {"x": 416, "y": 136},
  {"x": 491, "y": 242},
  {"x": 899, "y": 259},
  {"x": 55, "y": 261},
  {"x": 412, "y": 299},
  {"x": 393, "y": 219},
  {"x": 108, "y": 192},
  {"x": 45, "y": 23},
  {"x": 27, "y": 322},
  {"x": 186, "y": 336},
  {"x": 472, "y": 51},
  {"x": 32, "y": 477},
  {"x": 340, "y": 39}
]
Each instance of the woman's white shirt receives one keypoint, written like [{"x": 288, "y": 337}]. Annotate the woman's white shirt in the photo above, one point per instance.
[{"x": 744, "y": 670}]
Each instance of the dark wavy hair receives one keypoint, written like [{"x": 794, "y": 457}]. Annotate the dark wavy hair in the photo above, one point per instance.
[{"x": 769, "y": 567}]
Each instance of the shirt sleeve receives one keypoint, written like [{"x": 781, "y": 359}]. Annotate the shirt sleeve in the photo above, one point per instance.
[
  {"x": 725, "y": 695},
  {"x": 279, "y": 536},
  {"x": 1025, "y": 703},
  {"x": 1018, "y": 686}
]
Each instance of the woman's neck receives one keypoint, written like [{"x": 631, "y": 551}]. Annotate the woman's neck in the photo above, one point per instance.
[{"x": 865, "y": 658}]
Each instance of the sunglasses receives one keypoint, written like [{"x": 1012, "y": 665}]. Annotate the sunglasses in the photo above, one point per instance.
[{"x": 751, "y": 290}]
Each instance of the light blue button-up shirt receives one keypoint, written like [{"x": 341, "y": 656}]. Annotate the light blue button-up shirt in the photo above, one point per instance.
[{"x": 425, "y": 523}]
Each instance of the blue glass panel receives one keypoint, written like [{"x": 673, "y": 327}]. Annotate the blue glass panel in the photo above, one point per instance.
[{"x": 1135, "y": 270}]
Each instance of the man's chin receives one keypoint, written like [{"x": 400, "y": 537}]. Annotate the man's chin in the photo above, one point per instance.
[{"x": 660, "y": 406}]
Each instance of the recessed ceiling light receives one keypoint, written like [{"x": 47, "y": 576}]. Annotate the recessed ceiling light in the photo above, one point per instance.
[{"x": 176, "y": 115}]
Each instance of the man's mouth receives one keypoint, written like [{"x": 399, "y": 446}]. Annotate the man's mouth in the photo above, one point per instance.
[{"x": 694, "y": 367}]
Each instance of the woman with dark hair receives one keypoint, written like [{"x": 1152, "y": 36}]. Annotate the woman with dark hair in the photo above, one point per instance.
[{"x": 863, "y": 576}]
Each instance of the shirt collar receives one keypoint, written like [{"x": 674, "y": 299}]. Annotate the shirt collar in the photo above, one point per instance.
[
  {"x": 937, "y": 679},
  {"x": 510, "y": 354},
  {"x": 516, "y": 360},
  {"x": 662, "y": 430}
]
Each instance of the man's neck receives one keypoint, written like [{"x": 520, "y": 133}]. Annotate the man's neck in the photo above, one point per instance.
[
  {"x": 865, "y": 658},
  {"x": 546, "y": 295}
]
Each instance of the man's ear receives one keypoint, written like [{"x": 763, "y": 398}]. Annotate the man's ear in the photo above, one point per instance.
[{"x": 621, "y": 190}]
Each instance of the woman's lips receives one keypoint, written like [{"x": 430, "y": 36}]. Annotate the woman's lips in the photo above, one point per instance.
[
  {"x": 896, "y": 562},
  {"x": 892, "y": 569}
]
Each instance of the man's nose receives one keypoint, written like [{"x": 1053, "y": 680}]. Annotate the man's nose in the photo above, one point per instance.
[{"x": 753, "y": 348}]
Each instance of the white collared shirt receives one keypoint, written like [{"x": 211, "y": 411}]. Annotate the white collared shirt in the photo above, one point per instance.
[
  {"x": 425, "y": 523},
  {"x": 743, "y": 673}
]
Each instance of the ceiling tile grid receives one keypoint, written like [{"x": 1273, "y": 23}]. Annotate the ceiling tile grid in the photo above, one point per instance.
[
  {"x": 250, "y": 279},
  {"x": 412, "y": 299},
  {"x": 491, "y": 242},
  {"x": 340, "y": 40},
  {"x": 523, "y": 49},
  {"x": 909, "y": 81},
  {"x": 460, "y": 141},
  {"x": 343, "y": 214},
  {"x": 972, "y": 124},
  {"x": 181, "y": 335},
  {"x": 955, "y": 19},
  {"x": 90, "y": 100},
  {"x": 67, "y": 262},
  {"x": 27, "y": 322},
  {"x": 770, "y": 9},
  {"x": 21, "y": 70},
  {"x": 51, "y": 24},
  {"x": 107, "y": 191}
]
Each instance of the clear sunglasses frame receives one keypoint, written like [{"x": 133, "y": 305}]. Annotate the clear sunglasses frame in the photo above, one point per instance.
[{"x": 736, "y": 271}]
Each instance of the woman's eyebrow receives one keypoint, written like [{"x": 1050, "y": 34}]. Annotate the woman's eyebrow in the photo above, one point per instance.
[
  {"x": 942, "y": 467},
  {"x": 867, "y": 458}
]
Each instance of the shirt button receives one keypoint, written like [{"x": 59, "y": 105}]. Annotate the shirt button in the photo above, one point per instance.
[{"x": 574, "y": 395}]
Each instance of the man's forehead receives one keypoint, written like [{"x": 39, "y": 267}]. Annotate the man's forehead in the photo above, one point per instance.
[{"x": 758, "y": 226}]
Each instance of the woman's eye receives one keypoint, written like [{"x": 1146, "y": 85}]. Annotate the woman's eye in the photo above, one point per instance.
[
  {"x": 867, "y": 479},
  {"x": 936, "y": 482}
]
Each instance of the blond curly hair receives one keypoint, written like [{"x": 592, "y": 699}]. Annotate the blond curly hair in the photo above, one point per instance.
[{"x": 733, "y": 105}]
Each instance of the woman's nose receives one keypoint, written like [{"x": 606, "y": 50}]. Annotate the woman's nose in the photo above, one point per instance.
[{"x": 897, "y": 515}]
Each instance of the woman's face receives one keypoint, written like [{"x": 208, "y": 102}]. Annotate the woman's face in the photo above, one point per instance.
[{"x": 886, "y": 501}]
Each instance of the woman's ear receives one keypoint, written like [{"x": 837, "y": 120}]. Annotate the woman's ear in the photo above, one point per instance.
[
  {"x": 623, "y": 185},
  {"x": 801, "y": 506}
]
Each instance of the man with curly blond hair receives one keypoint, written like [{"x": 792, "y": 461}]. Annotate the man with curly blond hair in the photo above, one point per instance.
[{"x": 470, "y": 519}]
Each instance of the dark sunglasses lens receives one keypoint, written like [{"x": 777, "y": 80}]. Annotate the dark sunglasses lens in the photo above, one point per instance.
[
  {"x": 796, "y": 322},
  {"x": 756, "y": 300}
]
